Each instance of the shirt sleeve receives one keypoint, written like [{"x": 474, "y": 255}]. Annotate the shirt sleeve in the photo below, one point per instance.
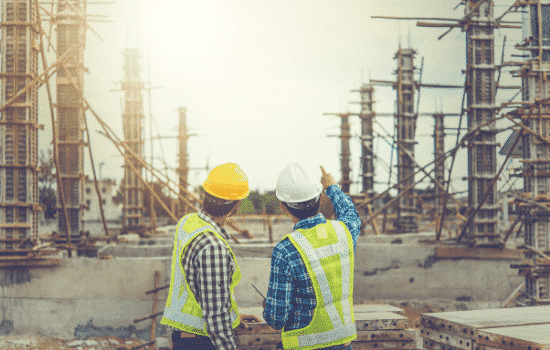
[
  {"x": 345, "y": 211},
  {"x": 214, "y": 274},
  {"x": 279, "y": 292}
]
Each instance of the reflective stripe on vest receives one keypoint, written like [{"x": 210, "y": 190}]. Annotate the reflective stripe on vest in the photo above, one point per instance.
[
  {"x": 340, "y": 330},
  {"x": 177, "y": 301}
]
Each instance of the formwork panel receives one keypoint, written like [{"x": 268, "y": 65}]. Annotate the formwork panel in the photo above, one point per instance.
[
  {"x": 18, "y": 136},
  {"x": 70, "y": 115}
]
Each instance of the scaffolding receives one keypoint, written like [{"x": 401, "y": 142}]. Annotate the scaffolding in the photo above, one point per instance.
[
  {"x": 367, "y": 154},
  {"x": 535, "y": 116},
  {"x": 132, "y": 120},
  {"x": 405, "y": 125},
  {"x": 70, "y": 114},
  {"x": 18, "y": 126},
  {"x": 481, "y": 108}
]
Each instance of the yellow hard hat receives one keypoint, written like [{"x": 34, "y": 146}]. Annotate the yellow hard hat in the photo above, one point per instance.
[{"x": 227, "y": 181}]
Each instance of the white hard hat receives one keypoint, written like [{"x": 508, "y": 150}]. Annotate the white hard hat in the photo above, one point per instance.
[{"x": 295, "y": 184}]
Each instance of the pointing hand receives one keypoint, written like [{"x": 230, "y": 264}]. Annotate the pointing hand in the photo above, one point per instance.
[{"x": 326, "y": 179}]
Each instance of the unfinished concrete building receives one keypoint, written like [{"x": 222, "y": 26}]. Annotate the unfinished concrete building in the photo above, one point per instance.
[
  {"x": 18, "y": 126},
  {"x": 536, "y": 151},
  {"x": 70, "y": 115},
  {"x": 183, "y": 167},
  {"x": 367, "y": 154},
  {"x": 132, "y": 124},
  {"x": 405, "y": 120},
  {"x": 480, "y": 96}
]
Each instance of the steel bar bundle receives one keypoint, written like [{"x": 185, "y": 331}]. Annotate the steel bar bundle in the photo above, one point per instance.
[
  {"x": 378, "y": 327},
  {"x": 524, "y": 328},
  {"x": 18, "y": 126}
]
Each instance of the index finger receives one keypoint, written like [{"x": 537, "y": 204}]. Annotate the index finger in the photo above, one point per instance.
[{"x": 323, "y": 170}]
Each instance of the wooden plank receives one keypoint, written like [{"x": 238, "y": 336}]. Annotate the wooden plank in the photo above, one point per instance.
[
  {"x": 375, "y": 308},
  {"x": 466, "y": 323},
  {"x": 428, "y": 344},
  {"x": 453, "y": 340},
  {"x": 383, "y": 345},
  {"x": 30, "y": 263},
  {"x": 477, "y": 253},
  {"x": 373, "y": 321},
  {"x": 263, "y": 347},
  {"x": 256, "y": 328},
  {"x": 385, "y": 335},
  {"x": 257, "y": 339},
  {"x": 530, "y": 337}
]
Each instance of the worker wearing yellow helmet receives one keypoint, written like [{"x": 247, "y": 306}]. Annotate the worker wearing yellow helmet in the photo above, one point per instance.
[
  {"x": 201, "y": 307},
  {"x": 310, "y": 293}
]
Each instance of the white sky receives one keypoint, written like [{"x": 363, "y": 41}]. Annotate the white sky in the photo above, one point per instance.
[{"x": 256, "y": 77}]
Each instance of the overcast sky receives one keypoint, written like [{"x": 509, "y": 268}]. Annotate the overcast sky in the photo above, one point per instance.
[{"x": 256, "y": 77}]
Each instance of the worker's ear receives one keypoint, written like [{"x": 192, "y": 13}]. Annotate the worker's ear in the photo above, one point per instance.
[
  {"x": 235, "y": 209},
  {"x": 284, "y": 210}
]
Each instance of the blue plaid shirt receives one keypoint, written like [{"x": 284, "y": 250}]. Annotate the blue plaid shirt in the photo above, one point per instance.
[{"x": 290, "y": 297}]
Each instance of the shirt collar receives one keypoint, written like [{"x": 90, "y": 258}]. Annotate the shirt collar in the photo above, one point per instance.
[
  {"x": 211, "y": 221},
  {"x": 310, "y": 222}
]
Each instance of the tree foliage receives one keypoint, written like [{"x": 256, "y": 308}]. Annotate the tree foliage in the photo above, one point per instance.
[{"x": 46, "y": 180}]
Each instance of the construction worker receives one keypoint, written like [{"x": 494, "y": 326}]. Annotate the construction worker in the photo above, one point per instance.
[
  {"x": 200, "y": 306},
  {"x": 310, "y": 294}
]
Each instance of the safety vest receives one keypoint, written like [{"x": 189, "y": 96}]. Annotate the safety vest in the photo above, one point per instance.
[
  {"x": 182, "y": 310},
  {"x": 327, "y": 251}
]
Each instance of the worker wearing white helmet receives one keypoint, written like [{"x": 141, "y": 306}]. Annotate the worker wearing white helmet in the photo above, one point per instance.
[{"x": 310, "y": 294}]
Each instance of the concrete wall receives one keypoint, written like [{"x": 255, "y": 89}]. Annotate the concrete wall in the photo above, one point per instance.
[{"x": 86, "y": 297}]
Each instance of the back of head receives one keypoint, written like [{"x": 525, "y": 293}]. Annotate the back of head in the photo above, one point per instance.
[
  {"x": 299, "y": 190},
  {"x": 225, "y": 185}
]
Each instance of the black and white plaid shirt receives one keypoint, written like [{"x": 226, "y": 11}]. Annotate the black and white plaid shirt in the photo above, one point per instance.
[{"x": 209, "y": 268}]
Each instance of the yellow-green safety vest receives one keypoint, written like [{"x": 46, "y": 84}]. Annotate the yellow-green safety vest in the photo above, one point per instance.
[
  {"x": 327, "y": 251},
  {"x": 182, "y": 310}
]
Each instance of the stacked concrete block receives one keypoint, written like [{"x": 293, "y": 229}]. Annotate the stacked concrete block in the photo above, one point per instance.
[
  {"x": 526, "y": 328},
  {"x": 378, "y": 327}
]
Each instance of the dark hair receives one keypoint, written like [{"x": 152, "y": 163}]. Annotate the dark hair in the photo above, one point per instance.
[
  {"x": 211, "y": 205},
  {"x": 304, "y": 213}
]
